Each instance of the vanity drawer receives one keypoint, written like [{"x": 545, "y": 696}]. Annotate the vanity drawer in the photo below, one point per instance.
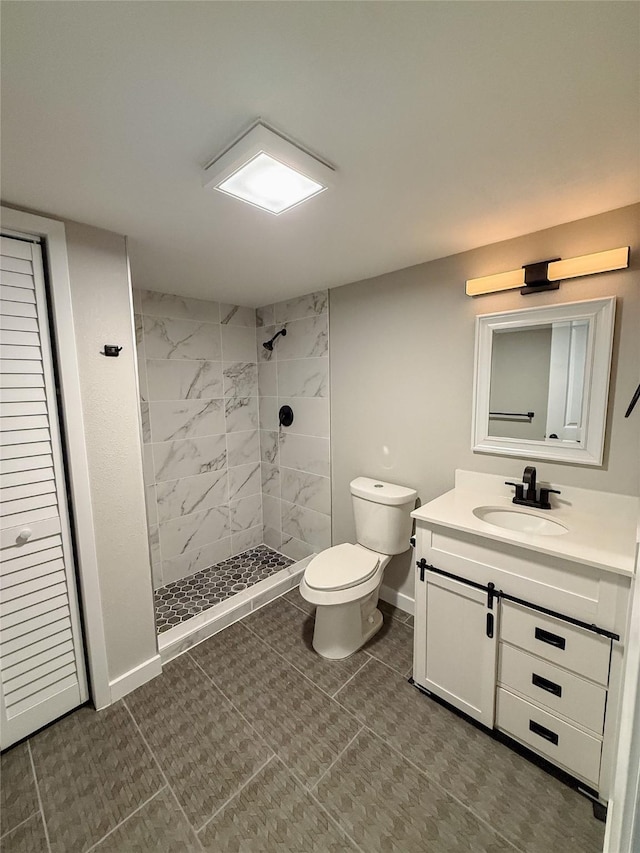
[
  {"x": 558, "y": 741},
  {"x": 557, "y": 641},
  {"x": 560, "y": 691}
]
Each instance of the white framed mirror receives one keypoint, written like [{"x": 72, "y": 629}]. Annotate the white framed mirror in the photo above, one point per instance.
[{"x": 541, "y": 381}]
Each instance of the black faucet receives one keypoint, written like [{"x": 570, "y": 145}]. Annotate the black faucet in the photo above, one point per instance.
[
  {"x": 529, "y": 483},
  {"x": 529, "y": 480}
]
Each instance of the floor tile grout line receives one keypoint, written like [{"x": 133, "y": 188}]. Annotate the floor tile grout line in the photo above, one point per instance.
[
  {"x": 230, "y": 799},
  {"x": 402, "y": 621},
  {"x": 124, "y": 820},
  {"x": 297, "y": 606},
  {"x": 292, "y": 665},
  {"x": 314, "y": 797},
  {"x": 279, "y": 758},
  {"x": 242, "y": 716},
  {"x": 388, "y": 665},
  {"x": 18, "y": 825},
  {"x": 441, "y": 787},
  {"x": 162, "y": 773},
  {"x": 335, "y": 760},
  {"x": 351, "y": 677},
  {"x": 333, "y": 820},
  {"x": 40, "y": 805},
  {"x": 375, "y": 660}
]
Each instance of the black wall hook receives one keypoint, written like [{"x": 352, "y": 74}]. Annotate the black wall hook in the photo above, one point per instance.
[
  {"x": 111, "y": 350},
  {"x": 633, "y": 402}
]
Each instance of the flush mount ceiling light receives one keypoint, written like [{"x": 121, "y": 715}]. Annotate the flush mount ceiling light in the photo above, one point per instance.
[
  {"x": 545, "y": 275},
  {"x": 265, "y": 169}
]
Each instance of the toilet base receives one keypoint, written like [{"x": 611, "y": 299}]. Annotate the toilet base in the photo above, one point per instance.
[{"x": 342, "y": 629}]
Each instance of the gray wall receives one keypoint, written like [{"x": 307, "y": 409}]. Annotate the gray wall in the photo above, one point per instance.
[
  {"x": 520, "y": 381},
  {"x": 101, "y": 300},
  {"x": 199, "y": 406},
  {"x": 296, "y": 459},
  {"x": 402, "y": 369}
]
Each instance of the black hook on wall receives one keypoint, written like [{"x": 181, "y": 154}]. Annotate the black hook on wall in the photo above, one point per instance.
[
  {"x": 633, "y": 402},
  {"x": 111, "y": 350}
]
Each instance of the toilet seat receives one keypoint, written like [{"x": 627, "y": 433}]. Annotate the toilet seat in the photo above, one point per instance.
[{"x": 341, "y": 567}]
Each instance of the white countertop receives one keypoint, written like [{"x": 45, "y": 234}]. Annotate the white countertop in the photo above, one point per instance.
[{"x": 601, "y": 527}]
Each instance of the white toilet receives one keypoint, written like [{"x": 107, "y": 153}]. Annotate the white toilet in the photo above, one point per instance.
[{"x": 344, "y": 581}]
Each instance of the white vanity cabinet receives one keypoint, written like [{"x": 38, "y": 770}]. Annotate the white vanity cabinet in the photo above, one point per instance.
[
  {"x": 552, "y": 688},
  {"x": 522, "y": 640},
  {"x": 460, "y": 634}
]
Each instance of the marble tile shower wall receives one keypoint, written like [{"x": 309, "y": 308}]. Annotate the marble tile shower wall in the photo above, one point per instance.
[
  {"x": 199, "y": 404},
  {"x": 296, "y": 486}
]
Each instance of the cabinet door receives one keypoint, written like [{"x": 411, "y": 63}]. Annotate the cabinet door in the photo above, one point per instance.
[{"x": 461, "y": 647}]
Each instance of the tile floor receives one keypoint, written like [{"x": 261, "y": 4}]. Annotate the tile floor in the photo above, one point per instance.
[
  {"x": 178, "y": 601},
  {"x": 251, "y": 743}
]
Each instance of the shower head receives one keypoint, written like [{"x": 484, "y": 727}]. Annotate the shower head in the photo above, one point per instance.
[{"x": 269, "y": 344}]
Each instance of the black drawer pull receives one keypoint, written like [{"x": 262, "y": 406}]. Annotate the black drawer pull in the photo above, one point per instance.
[
  {"x": 490, "y": 625},
  {"x": 547, "y": 734},
  {"x": 545, "y": 684},
  {"x": 551, "y": 639}
]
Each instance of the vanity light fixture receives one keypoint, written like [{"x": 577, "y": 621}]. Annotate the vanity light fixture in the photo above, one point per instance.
[
  {"x": 267, "y": 170},
  {"x": 545, "y": 275}
]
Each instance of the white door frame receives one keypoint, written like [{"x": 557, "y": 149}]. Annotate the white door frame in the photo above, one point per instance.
[
  {"x": 53, "y": 234},
  {"x": 623, "y": 823}
]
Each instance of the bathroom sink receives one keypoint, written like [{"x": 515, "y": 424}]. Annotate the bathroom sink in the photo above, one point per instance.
[{"x": 519, "y": 520}]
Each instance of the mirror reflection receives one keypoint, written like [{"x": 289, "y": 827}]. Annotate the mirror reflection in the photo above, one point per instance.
[{"x": 537, "y": 383}]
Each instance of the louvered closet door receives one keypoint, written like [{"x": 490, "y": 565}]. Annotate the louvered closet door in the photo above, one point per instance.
[{"x": 41, "y": 665}]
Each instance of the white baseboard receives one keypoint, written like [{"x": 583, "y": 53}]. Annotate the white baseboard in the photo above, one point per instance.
[
  {"x": 398, "y": 599},
  {"x": 136, "y": 677}
]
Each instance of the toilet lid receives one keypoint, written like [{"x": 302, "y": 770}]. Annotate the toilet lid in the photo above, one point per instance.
[{"x": 341, "y": 567}]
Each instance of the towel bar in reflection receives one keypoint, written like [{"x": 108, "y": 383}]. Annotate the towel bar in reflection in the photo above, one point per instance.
[{"x": 515, "y": 415}]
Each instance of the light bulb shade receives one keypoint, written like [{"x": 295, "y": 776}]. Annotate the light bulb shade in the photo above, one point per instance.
[
  {"x": 268, "y": 171},
  {"x": 612, "y": 259},
  {"x": 493, "y": 283},
  {"x": 267, "y": 183}
]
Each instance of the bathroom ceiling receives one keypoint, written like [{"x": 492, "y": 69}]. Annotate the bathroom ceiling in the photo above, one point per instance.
[{"x": 451, "y": 126}]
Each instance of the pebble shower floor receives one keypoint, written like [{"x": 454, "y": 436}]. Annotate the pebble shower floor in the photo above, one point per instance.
[{"x": 180, "y": 600}]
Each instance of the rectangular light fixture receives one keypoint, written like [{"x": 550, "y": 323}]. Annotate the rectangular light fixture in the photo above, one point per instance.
[
  {"x": 613, "y": 259},
  {"x": 543, "y": 275},
  {"x": 494, "y": 283},
  {"x": 268, "y": 171}
]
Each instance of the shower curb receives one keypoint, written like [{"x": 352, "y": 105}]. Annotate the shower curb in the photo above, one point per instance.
[{"x": 189, "y": 633}]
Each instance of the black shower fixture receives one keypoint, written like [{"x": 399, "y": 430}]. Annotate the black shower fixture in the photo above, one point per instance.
[{"x": 269, "y": 344}]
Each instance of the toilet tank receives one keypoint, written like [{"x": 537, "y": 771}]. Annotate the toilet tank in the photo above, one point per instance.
[{"x": 382, "y": 514}]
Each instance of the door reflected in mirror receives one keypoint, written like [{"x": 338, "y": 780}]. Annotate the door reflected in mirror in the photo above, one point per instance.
[
  {"x": 542, "y": 380},
  {"x": 537, "y": 381}
]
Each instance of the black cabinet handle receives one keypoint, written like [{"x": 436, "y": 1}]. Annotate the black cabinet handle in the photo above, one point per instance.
[
  {"x": 490, "y": 625},
  {"x": 547, "y": 734},
  {"x": 545, "y": 684},
  {"x": 551, "y": 639}
]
